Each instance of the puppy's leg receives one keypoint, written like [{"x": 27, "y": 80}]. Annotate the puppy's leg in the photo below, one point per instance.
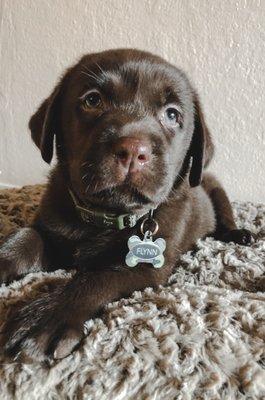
[
  {"x": 55, "y": 320},
  {"x": 22, "y": 253},
  {"x": 226, "y": 229}
]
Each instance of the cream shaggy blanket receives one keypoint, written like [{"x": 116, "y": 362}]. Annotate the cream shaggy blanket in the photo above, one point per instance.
[{"x": 200, "y": 337}]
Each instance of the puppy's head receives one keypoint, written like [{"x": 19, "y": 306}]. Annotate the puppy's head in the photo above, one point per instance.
[{"x": 127, "y": 126}]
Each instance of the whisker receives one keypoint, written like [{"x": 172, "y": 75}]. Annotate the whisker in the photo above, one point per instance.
[
  {"x": 181, "y": 177},
  {"x": 89, "y": 183},
  {"x": 84, "y": 176},
  {"x": 89, "y": 75},
  {"x": 98, "y": 77},
  {"x": 88, "y": 187},
  {"x": 86, "y": 69},
  {"x": 100, "y": 68},
  {"x": 95, "y": 75},
  {"x": 86, "y": 163},
  {"x": 104, "y": 73}
]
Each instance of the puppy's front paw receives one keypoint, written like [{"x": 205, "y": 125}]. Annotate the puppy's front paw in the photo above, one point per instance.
[
  {"x": 239, "y": 236},
  {"x": 41, "y": 330},
  {"x": 68, "y": 342}
]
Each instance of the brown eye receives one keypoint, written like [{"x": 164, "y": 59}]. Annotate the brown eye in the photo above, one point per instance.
[{"x": 92, "y": 100}]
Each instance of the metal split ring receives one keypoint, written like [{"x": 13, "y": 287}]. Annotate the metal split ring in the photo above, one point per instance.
[{"x": 154, "y": 222}]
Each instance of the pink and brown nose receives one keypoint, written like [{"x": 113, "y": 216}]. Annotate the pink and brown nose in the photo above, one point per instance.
[{"x": 132, "y": 154}]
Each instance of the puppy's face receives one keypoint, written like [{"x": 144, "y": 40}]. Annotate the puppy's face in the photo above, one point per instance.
[{"x": 124, "y": 122}]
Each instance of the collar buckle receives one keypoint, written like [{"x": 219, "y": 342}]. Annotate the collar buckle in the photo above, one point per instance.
[
  {"x": 119, "y": 221},
  {"x": 126, "y": 221}
]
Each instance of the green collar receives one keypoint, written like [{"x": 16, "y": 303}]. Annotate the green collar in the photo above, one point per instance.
[{"x": 105, "y": 219}]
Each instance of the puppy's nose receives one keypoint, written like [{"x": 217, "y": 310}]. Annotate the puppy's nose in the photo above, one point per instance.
[{"x": 132, "y": 153}]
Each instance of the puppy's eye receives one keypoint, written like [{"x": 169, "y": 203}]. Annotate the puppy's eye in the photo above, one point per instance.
[
  {"x": 171, "y": 116},
  {"x": 92, "y": 100}
]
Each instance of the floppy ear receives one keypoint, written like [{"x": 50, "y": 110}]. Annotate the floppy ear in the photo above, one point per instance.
[
  {"x": 45, "y": 123},
  {"x": 201, "y": 148}
]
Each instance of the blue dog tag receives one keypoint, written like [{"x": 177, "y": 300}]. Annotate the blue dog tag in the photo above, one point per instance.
[{"x": 145, "y": 251}]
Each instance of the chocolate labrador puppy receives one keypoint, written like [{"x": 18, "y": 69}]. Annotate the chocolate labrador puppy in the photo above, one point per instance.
[{"x": 131, "y": 144}]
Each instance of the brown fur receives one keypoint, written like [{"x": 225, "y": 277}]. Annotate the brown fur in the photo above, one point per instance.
[{"x": 137, "y": 88}]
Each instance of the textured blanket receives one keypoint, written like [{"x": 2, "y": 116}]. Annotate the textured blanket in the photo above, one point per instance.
[{"x": 202, "y": 336}]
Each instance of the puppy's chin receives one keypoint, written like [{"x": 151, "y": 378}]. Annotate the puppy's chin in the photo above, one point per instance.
[
  {"x": 117, "y": 195},
  {"x": 122, "y": 198}
]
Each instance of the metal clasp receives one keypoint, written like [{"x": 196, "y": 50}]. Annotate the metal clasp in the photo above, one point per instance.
[{"x": 126, "y": 221}]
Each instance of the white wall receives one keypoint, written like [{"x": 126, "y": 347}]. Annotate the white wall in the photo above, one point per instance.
[{"x": 220, "y": 44}]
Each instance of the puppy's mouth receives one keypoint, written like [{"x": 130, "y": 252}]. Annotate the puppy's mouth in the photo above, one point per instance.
[
  {"x": 110, "y": 188},
  {"x": 119, "y": 197},
  {"x": 112, "y": 194},
  {"x": 123, "y": 190}
]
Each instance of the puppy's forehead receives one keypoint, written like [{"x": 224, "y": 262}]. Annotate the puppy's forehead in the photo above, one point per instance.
[{"x": 148, "y": 75}]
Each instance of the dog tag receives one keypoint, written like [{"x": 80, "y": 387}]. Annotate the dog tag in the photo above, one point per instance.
[{"x": 145, "y": 251}]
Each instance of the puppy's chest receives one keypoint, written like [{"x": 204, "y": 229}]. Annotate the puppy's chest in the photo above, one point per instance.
[
  {"x": 104, "y": 250},
  {"x": 109, "y": 250}
]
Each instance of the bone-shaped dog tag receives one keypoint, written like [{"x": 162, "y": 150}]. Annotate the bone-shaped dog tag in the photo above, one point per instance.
[{"x": 145, "y": 251}]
